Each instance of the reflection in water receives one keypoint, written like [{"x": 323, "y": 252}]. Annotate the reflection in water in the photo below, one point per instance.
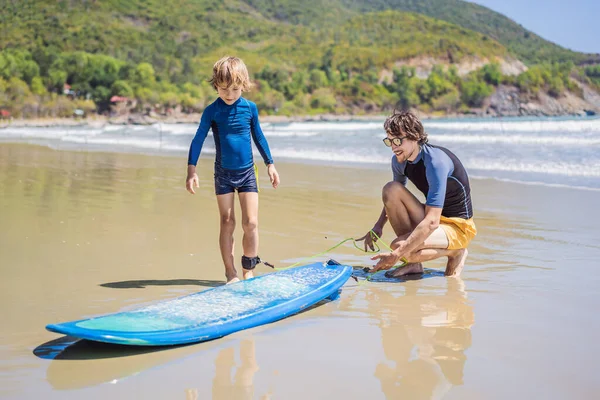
[
  {"x": 241, "y": 387},
  {"x": 424, "y": 337},
  {"x": 78, "y": 363}
]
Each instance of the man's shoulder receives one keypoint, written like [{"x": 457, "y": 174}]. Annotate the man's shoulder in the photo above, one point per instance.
[{"x": 433, "y": 154}]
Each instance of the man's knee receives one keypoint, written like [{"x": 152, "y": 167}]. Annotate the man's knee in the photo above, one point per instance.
[{"x": 393, "y": 191}]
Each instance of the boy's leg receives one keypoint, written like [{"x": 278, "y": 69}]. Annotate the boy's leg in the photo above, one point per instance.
[
  {"x": 226, "y": 212},
  {"x": 249, "y": 206}
]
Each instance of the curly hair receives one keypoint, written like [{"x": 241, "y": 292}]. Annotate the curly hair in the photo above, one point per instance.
[
  {"x": 405, "y": 124},
  {"x": 231, "y": 71}
]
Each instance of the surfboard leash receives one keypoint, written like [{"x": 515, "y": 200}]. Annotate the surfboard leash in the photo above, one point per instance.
[{"x": 354, "y": 242}]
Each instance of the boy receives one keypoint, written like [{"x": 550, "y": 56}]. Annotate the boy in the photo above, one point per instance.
[{"x": 234, "y": 120}]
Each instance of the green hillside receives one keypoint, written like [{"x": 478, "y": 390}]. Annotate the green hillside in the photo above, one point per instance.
[
  {"x": 526, "y": 45},
  {"x": 306, "y": 57}
]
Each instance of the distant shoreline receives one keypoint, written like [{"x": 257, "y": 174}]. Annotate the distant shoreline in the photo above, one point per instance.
[{"x": 135, "y": 119}]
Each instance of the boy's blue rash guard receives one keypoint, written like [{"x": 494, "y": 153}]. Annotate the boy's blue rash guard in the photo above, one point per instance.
[
  {"x": 441, "y": 177},
  {"x": 232, "y": 127}
]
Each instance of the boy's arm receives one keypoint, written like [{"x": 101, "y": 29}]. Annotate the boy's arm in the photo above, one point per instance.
[
  {"x": 198, "y": 141},
  {"x": 195, "y": 148},
  {"x": 259, "y": 137}
]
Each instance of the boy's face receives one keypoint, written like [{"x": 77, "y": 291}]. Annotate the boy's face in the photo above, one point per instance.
[{"x": 230, "y": 94}]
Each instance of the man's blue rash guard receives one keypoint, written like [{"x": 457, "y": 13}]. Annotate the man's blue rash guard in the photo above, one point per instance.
[
  {"x": 232, "y": 127},
  {"x": 441, "y": 177}
]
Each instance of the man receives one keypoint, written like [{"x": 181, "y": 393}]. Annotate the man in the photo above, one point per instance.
[{"x": 443, "y": 226}]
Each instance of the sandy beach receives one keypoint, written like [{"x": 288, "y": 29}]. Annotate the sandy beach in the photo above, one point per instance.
[{"x": 87, "y": 233}]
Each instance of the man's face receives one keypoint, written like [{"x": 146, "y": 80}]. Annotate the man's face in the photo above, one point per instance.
[{"x": 407, "y": 150}]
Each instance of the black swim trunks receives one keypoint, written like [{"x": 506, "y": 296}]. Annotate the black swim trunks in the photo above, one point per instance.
[{"x": 228, "y": 181}]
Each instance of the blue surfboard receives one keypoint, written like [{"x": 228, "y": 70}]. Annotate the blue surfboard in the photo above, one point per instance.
[{"x": 215, "y": 312}]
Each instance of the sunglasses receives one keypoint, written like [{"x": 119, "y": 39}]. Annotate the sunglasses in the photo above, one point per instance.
[{"x": 396, "y": 141}]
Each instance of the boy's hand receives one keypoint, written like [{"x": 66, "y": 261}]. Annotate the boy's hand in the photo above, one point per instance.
[
  {"x": 273, "y": 175},
  {"x": 191, "y": 182}
]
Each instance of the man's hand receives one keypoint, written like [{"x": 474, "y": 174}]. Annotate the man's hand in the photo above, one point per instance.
[
  {"x": 191, "y": 182},
  {"x": 370, "y": 238},
  {"x": 386, "y": 261},
  {"x": 273, "y": 175}
]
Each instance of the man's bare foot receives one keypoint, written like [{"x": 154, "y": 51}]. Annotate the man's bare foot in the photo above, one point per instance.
[
  {"x": 248, "y": 273},
  {"x": 232, "y": 280},
  {"x": 456, "y": 262},
  {"x": 414, "y": 268}
]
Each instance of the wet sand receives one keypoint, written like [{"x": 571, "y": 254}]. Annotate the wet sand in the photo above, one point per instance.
[{"x": 92, "y": 233}]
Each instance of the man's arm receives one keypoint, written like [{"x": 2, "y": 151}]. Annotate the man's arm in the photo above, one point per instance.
[
  {"x": 417, "y": 237},
  {"x": 423, "y": 230}
]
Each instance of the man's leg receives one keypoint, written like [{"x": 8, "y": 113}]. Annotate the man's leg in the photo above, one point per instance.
[
  {"x": 435, "y": 246},
  {"x": 405, "y": 212},
  {"x": 456, "y": 259},
  {"x": 226, "y": 242},
  {"x": 403, "y": 209},
  {"x": 249, "y": 205}
]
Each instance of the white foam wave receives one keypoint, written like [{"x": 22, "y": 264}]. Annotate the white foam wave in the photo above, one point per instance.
[
  {"x": 139, "y": 143},
  {"x": 317, "y": 155},
  {"x": 588, "y": 170},
  {"x": 46, "y": 133},
  {"x": 291, "y": 133},
  {"x": 568, "y": 140},
  {"x": 176, "y": 129},
  {"x": 587, "y": 125},
  {"x": 112, "y": 128},
  {"x": 536, "y": 183},
  {"x": 325, "y": 126}
]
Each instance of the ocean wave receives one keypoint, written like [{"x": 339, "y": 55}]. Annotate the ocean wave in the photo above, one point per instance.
[
  {"x": 588, "y": 125},
  {"x": 535, "y": 183},
  {"x": 324, "y": 127},
  {"x": 588, "y": 170},
  {"x": 556, "y": 140}
]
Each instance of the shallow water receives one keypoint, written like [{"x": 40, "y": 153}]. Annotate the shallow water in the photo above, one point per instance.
[{"x": 92, "y": 233}]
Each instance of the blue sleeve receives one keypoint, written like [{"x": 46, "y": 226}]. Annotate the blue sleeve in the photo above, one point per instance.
[
  {"x": 259, "y": 138},
  {"x": 398, "y": 171},
  {"x": 200, "y": 136},
  {"x": 437, "y": 171}
]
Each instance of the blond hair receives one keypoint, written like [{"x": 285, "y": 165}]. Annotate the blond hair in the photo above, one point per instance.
[
  {"x": 406, "y": 124},
  {"x": 230, "y": 71}
]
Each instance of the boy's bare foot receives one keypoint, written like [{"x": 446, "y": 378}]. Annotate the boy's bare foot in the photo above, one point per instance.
[
  {"x": 414, "y": 268},
  {"x": 248, "y": 273},
  {"x": 231, "y": 276},
  {"x": 456, "y": 262}
]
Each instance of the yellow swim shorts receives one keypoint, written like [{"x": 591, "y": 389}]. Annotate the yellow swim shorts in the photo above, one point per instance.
[{"x": 459, "y": 231}]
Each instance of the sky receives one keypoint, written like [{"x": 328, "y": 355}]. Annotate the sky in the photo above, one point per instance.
[{"x": 574, "y": 24}]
